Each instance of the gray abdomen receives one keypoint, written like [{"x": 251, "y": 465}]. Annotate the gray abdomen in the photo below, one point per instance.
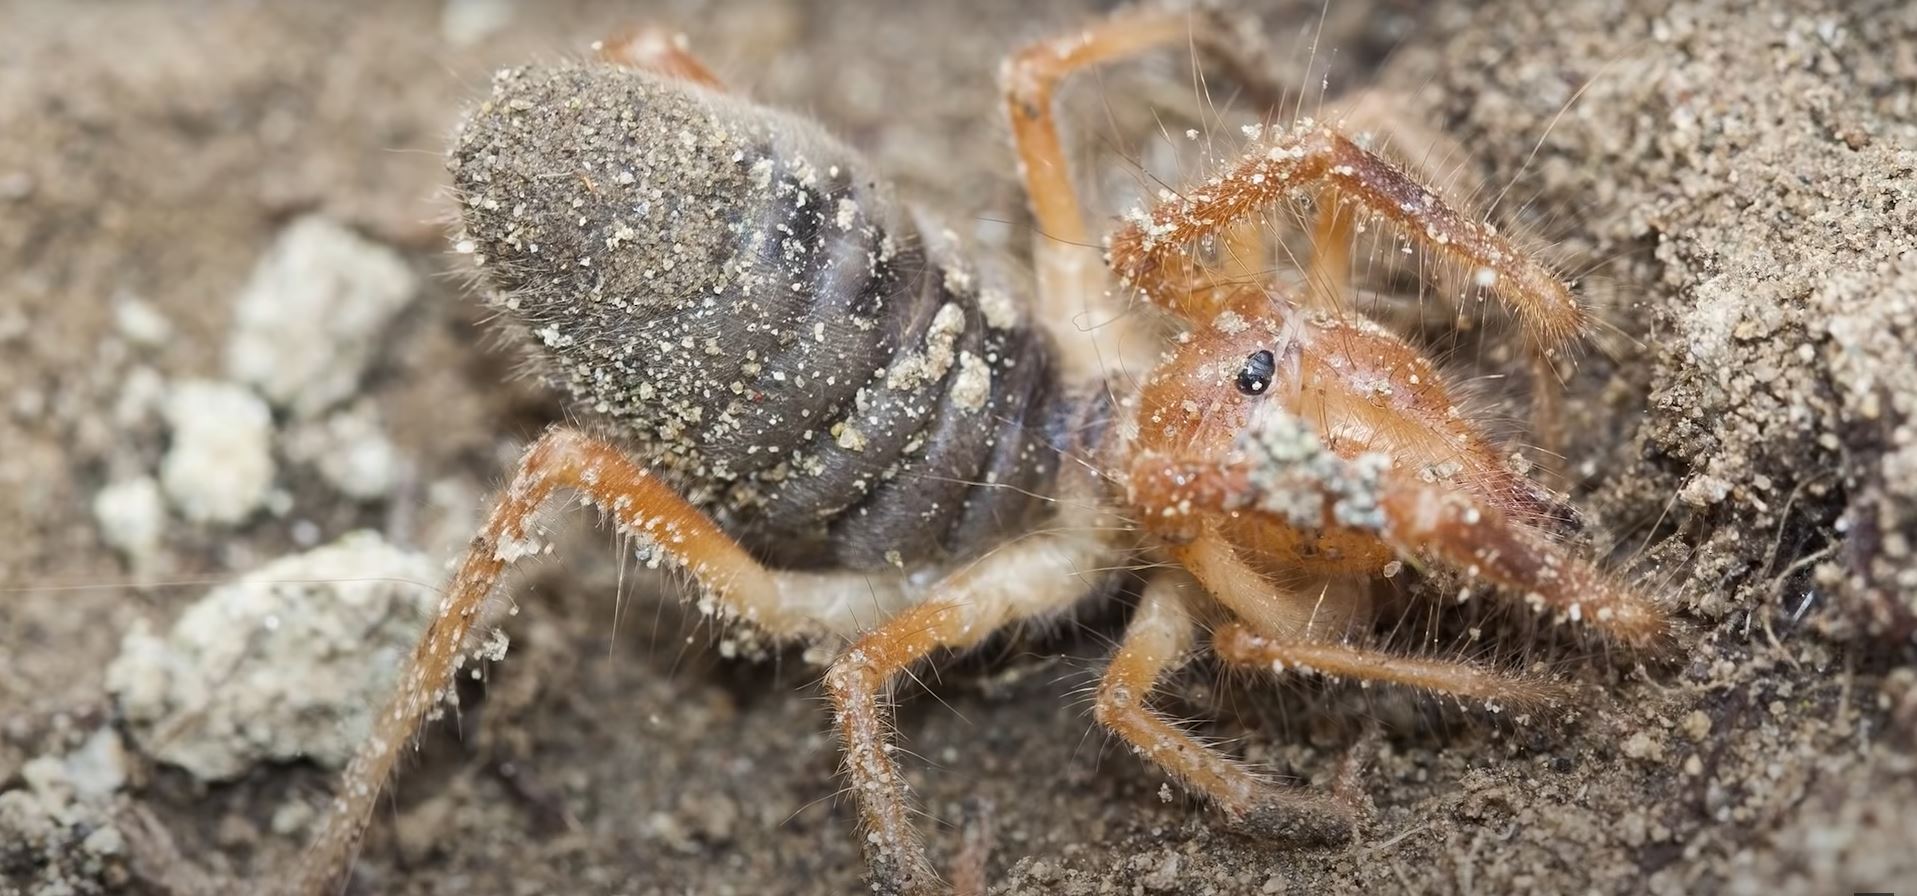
[{"x": 739, "y": 299}]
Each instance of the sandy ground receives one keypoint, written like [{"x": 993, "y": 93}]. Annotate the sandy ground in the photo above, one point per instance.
[{"x": 1736, "y": 188}]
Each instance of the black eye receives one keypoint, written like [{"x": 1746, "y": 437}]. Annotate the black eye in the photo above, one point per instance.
[{"x": 1255, "y": 377}]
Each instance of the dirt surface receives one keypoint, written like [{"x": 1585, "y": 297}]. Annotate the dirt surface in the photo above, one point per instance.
[{"x": 1736, "y": 188}]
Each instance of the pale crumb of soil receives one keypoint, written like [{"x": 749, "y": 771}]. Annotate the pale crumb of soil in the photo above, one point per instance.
[
  {"x": 313, "y": 313},
  {"x": 286, "y": 662},
  {"x": 57, "y": 831},
  {"x": 132, "y": 517},
  {"x": 219, "y": 465},
  {"x": 350, "y": 450}
]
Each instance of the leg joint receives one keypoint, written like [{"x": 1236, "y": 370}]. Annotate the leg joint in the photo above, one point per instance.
[
  {"x": 850, "y": 677},
  {"x": 1114, "y": 705}
]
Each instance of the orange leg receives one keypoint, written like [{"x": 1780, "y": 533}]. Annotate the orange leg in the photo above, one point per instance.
[
  {"x": 1156, "y": 641},
  {"x": 1032, "y": 77},
  {"x": 1328, "y": 278},
  {"x": 1151, "y": 252},
  {"x": 642, "y": 507},
  {"x": 1309, "y": 630},
  {"x": 656, "y": 49},
  {"x": 1035, "y": 577},
  {"x": 1072, "y": 290},
  {"x": 1332, "y": 614},
  {"x": 1380, "y": 121},
  {"x": 1547, "y": 419},
  {"x": 1328, "y": 288},
  {"x": 1427, "y": 153},
  {"x": 1240, "y": 646},
  {"x": 975, "y": 850}
]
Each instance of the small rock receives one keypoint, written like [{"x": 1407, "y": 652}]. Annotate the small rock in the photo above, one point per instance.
[
  {"x": 712, "y": 817},
  {"x": 1164, "y": 877},
  {"x": 1697, "y": 726},
  {"x": 139, "y": 321},
  {"x": 141, "y": 394},
  {"x": 466, "y": 22},
  {"x": 310, "y": 317},
  {"x": 292, "y": 818},
  {"x": 220, "y": 464},
  {"x": 131, "y": 516},
  {"x": 422, "y": 829},
  {"x": 1704, "y": 491},
  {"x": 58, "y": 833},
  {"x": 290, "y": 661},
  {"x": 16, "y": 185},
  {"x": 351, "y": 451},
  {"x": 98, "y": 769},
  {"x": 1643, "y": 745}
]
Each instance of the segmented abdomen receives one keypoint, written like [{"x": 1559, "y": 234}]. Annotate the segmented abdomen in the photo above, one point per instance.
[{"x": 739, "y": 299}]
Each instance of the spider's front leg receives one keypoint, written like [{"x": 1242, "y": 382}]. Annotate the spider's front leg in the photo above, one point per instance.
[
  {"x": 1150, "y": 252},
  {"x": 1378, "y": 118}
]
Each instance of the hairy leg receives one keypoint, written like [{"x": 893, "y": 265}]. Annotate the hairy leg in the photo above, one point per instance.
[
  {"x": 1156, "y": 641},
  {"x": 1430, "y": 156},
  {"x": 1073, "y": 295},
  {"x": 1239, "y": 645},
  {"x": 1036, "y": 577},
  {"x": 975, "y": 850},
  {"x": 1379, "y": 120},
  {"x": 1152, "y": 251},
  {"x": 735, "y": 585},
  {"x": 1329, "y": 614}
]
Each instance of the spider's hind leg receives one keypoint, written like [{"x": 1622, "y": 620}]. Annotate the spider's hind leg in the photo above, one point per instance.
[{"x": 1026, "y": 580}]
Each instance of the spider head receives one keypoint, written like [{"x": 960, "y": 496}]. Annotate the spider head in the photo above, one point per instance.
[{"x": 1219, "y": 381}]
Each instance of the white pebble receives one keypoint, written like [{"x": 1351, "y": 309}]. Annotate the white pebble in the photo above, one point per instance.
[
  {"x": 288, "y": 662},
  {"x": 220, "y": 464},
  {"x": 131, "y": 516},
  {"x": 351, "y": 451},
  {"x": 308, "y": 320},
  {"x": 139, "y": 321},
  {"x": 467, "y": 22}
]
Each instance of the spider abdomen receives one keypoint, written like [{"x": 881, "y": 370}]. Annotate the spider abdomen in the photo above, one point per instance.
[{"x": 738, "y": 297}]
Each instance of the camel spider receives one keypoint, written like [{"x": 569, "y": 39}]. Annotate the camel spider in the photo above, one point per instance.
[{"x": 805, "y": 400}]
